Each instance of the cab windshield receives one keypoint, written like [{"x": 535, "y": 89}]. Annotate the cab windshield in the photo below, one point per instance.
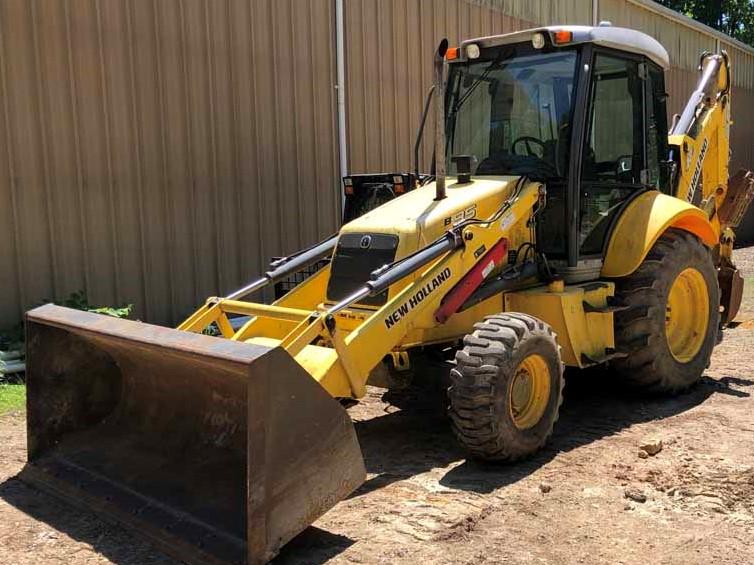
[{"x": 511, "y": 111}]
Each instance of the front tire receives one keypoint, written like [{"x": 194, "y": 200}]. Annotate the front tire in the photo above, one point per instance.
[
  {"x": 506, "y": 388},
  {"x": 670, "y": 328}
]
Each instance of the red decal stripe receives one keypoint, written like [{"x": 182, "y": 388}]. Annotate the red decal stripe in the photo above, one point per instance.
[{"x": 470, "y": 282}]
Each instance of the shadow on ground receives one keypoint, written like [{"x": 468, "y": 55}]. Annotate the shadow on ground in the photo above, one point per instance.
[
  {"x": 410, "y": 440},
  {"x": 111, "y": 541},
  {"x": 418, "y": 438}
]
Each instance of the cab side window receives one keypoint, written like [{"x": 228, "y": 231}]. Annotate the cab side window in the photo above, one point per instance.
[
  {"x": 614, "y": 141},
  {"x": 613, "y": 155},
  {"x": 657, "y": 130}
]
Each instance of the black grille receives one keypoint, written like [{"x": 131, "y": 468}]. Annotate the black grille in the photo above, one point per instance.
[
  {"x": 286, "y": 285},
  {"x": 356, "y": 256}
]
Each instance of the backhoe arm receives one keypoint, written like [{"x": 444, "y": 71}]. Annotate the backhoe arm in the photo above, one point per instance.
[
  {"x": 700, "y": 147},
  {"x": 700, "y": 139}
]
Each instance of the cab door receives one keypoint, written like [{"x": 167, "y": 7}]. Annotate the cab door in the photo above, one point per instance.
[
  {"x": 614, "y": 157},
  {"x": 625, "y": 147}
]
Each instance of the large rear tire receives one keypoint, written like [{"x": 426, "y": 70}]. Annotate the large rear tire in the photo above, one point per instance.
[
  {"x": 506, "y": 388},
  {"x": 671, "y": 325}
]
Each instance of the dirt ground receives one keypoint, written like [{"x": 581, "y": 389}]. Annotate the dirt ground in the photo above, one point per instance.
[{"x": 586, "y": 498}]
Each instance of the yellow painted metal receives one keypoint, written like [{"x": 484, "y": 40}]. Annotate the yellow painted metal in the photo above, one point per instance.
[
  {"x": 340, "y": 356},
  {"x": 727, "y": 239},
  {"x": 206, "y": 314},
  {"x": 704, "y": 155},
  {"x": 252, "y": 309},
  {"x": 306, "y": 296},
  {"x": 579, "y": 333},
  {"x": 418, "y": 219},
  {"x": 319, "y": 362},
  {"x": 401, "y": 360},
  {"x": 643, "y": 222},
  {"x": 703, "y": 178},
  {"x": 687, "y": 315},
  {"x": 529, "y": 391},
  {"x": 223, "y": 324}
]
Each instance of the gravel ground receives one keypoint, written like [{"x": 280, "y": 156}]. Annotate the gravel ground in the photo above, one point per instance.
[{"x": 588, "y": 497}]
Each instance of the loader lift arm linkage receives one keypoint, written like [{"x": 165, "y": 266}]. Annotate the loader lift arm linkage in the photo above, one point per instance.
[{"x": 343, "y": 366}]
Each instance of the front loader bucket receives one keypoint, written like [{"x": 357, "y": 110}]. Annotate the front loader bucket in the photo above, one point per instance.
[{"x": 217, "y": 451}]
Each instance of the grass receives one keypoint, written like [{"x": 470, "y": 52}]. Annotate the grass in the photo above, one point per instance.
[{"x": 12, "y": 398}]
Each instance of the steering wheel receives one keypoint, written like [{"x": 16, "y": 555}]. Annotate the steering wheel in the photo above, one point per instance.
[{"x": 527, "y": 141}]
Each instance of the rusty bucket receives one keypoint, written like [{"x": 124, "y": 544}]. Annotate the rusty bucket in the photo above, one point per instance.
[{"x": 216, "y": 451}]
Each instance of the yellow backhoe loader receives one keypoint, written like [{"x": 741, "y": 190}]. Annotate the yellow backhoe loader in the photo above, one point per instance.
[{"x": 566, "y": 228}]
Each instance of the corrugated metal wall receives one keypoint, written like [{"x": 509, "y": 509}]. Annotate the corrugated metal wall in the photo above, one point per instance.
[
  {"x": 742, "y": 112},
  {"x": 389, "y": 63},
  {"x": 160, "y": 151}
]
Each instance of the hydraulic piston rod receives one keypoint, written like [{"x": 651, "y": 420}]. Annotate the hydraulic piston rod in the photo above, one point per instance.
[
  {"x": 287, "y": 266},
  {"x": 383, "y": 278}
]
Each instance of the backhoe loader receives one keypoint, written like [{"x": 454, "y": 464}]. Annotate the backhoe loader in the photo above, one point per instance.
[{"x": 561, "y": 225}]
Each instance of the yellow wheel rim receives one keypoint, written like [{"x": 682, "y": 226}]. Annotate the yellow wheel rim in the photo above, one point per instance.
[
  {"x": 530, "y": 391},
  {"x": 687, "y": 315}
]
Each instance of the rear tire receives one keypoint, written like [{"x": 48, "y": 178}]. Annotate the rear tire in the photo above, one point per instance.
[
  {"x": 672, "y": 322},
  {"x": 506, "y": 388}
]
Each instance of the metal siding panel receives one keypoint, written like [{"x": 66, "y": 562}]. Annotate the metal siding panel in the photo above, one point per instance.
[
  {"x": 249, "y": 234},
  {"x": 541, "y": 12},
  {"x": 684, "y": 44},
  {"x": 122, "y": 169},
  {"x": 176, "y": 144},
  {"x": 160, "y": 151},
  {"x": 299, "y": 188},
  {"x": 742, "y": 114},
  {"x": 158, "y": 276},
  {"x": 11, "y": 275},
  {"x": 742, "y": 109},
  {"x": 91, "y": 124},
  {"x": 389, "y": 70},
  {"x": 221, "y": 67},
  {"x": 285, "y": 91},
  {"x": 266, "y": 134},
  {"x": 26, "y": 147}
]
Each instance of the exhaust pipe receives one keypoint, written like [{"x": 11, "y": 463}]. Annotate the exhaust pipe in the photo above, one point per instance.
[{"x": 439, "y": 84}]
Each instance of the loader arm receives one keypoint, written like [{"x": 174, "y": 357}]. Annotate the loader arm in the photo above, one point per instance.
[{"x": 340, "y": 355}]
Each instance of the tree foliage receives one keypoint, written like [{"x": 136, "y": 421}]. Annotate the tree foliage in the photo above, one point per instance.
[{"x": 732, "y": 17}]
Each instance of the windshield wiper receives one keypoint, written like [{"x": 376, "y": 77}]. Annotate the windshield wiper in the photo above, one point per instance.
[{"x": 493, "y": 66}]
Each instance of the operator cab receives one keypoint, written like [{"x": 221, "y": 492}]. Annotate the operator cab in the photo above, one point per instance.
[{"x": 579, "y": 108}]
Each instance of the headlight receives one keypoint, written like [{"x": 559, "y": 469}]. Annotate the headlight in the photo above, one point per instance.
[
  {"x": 538, "y": 40},
  {"x": 472, "y": 51}
]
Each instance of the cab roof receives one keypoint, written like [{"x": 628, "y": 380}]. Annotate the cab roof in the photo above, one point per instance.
[{"x": 605, "y": 34}]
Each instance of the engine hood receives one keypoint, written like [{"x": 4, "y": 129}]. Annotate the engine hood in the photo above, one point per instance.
[{"x": 418, "y": 219}]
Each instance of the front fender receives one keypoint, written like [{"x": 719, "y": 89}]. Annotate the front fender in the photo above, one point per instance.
[{"x": 643, "y": 222}]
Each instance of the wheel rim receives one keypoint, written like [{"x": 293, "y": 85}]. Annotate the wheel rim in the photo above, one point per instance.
[
  {"x": 530, "y": 391},
  {"x": 687, "y": 315}
]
